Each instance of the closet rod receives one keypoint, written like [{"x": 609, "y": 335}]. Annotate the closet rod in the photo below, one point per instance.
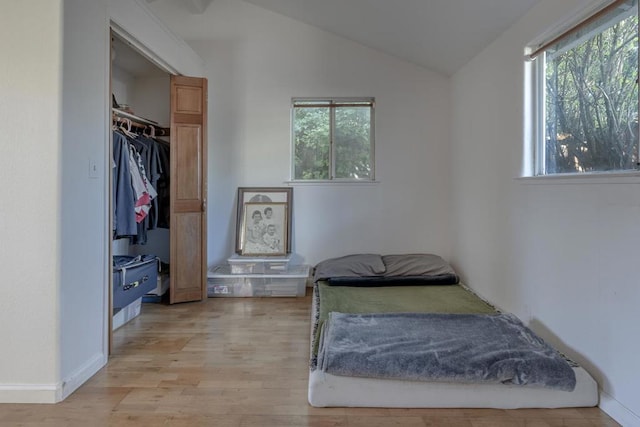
[{"x": 141, "y": 122}]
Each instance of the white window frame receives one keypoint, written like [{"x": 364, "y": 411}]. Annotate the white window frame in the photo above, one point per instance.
[
  {"x": 332, "y": 154},
  {"x": 537, "y": 111}
]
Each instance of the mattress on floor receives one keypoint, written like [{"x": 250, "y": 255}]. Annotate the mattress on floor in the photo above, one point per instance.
[{"x": 331, "y": 390}]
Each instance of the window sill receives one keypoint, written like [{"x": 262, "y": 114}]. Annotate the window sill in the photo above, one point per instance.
[
  {"x": 631, "y": 177},
  {"x": 306, "y": 183}
]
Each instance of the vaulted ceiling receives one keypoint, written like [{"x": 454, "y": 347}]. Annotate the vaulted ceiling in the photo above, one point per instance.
[{"x": 441, "y": 35}]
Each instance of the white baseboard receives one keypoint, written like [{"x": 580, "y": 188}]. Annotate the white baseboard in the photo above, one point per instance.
[
  {"x": 51, "y": 393},
  {"x": 29, "y": 393},
  {"x": 81, "y": 375},
  {"x": 618, "y": 411}
]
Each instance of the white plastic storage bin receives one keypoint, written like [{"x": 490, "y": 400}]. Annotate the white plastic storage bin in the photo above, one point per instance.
[
  {"x": 292, "y": 283},
  {"x": 250, "y": 265},
  {"x": 126, "y": 314}
]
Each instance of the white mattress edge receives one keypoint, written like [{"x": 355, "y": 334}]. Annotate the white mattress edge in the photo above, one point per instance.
[{"x": 326, "y": 390}]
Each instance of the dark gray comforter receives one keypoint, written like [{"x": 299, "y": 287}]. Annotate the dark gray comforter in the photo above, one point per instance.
[{"x": 441, "y": 347}]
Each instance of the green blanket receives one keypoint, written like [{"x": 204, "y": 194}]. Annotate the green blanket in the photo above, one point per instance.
[{"x": 453, "y": 299}]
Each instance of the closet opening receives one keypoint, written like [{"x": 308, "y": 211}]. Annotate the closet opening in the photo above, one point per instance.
[
  {"x": 158, "y": 184},
  {"x": 140, "y": 246}
]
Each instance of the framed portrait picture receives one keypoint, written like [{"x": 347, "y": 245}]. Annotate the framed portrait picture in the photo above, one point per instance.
[
  {"x": 264, "y": 229},
  {"x": 263, "y": 195}
]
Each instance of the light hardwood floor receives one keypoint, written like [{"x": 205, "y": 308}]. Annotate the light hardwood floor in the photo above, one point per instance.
[{"x": 232, "y": 362}]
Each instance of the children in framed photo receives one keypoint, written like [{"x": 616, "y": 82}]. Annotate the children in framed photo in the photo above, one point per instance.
[
  {"x": 263, "y": 195},
  {"x": 264, "y": 230}
]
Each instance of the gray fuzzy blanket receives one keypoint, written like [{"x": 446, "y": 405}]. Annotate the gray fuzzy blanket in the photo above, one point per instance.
[{"x": 441, "y": 347}]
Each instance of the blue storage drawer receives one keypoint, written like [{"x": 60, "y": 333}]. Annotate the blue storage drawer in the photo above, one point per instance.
[{"x": 133, "y": 277}]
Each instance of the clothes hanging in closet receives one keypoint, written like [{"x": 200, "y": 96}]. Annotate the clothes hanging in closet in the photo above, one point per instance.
[
  {"x": 163, "y": 185},
  {"x": 138, "y": 170},
  {"x": 124, "y": 216},
  {"x": 151, "y": 170}
]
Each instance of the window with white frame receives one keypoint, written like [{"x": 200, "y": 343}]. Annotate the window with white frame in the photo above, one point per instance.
[
  {"x": 586, "y": 91},
  {"x": 333, "y": 139}
]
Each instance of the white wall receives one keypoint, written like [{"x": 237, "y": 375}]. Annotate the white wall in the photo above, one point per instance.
[
  {"x": 561, "y": 254},
  {"x": 53, "y": 219},
  {"x": 151, "y": 98},
  {"x": 83, "y": 198},
  {"x": 30, "y": 172},
  {"x": 121, "y": 81},
  {"x": 257, "y": 61}
]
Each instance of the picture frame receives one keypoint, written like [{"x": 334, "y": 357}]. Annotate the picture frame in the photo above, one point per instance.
[
  {"x": 263, "y": 195},
  {"x": 264, "y": 229}
]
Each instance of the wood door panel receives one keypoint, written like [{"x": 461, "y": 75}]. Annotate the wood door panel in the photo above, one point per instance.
[
  {"x": 187, "y": 119},
  {"x": 189, "y": 163},
  {"x": 183, "y": 206},
  {"x": 188, "y": 189},
  {"x": 187, "y": 230},
  {"x": 188, "y": 100}
]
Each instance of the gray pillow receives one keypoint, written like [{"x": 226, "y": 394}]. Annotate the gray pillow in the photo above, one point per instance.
[
  {"x": 358, "y": 265},
  {"x": 416, "y": 265}
]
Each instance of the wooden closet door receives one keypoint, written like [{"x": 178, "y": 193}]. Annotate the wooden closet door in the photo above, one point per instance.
[{"x": 188, "y": 189}]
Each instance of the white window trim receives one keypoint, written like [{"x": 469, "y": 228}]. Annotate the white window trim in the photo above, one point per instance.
[
  {"x": 587, "y": 178},
  {"x": 533, "y": 169},
  {"x": 332, "y": 180},
  {"x": 327, "y": 182}
]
